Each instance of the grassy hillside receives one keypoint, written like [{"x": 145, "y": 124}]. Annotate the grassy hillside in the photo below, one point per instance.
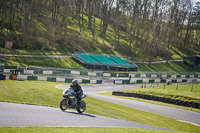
[
  {"x": 56, "y": 43},
  {"x": 43, "y": 31},
  {"x": 46, "y": 37},
  {"x": 68, "y": 63},
  {"x": 172, "y": 67}
]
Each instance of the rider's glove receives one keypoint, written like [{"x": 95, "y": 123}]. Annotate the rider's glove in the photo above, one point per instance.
[{"x": 74, "y": 93}]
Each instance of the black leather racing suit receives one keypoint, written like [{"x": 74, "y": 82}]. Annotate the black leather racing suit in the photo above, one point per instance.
[{"x": 79, "y": 92}]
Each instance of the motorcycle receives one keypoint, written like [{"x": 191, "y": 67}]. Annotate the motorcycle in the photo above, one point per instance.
[{"x": 70, "y": 101}]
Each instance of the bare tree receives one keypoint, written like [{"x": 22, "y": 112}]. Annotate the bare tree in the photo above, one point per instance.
[{"x": 106, "y": 14}]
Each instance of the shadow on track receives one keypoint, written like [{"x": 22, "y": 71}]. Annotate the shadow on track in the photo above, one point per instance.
[{"x": 83, "y": 114}]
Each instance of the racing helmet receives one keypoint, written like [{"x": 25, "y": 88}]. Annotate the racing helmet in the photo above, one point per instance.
[{"x": 74, "y": 82}]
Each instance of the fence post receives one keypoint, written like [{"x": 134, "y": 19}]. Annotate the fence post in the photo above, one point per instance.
[
  {"x": 177, "y": 87},
  {"x": 192, "y": 86},
  {"x": 164, "y": 86}
]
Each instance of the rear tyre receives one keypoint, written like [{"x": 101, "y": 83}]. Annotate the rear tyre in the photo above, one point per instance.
[
  {"x": 64, "y": 104},
  {"x": 81, "y": 107}
]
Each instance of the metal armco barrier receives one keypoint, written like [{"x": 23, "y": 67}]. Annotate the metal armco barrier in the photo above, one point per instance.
[{"x": 57, "y": 79}]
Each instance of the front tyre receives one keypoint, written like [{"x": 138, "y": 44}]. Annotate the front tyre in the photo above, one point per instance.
[
  {"x": 81, "y": 106},
  {"x": 64, "y": 104}
]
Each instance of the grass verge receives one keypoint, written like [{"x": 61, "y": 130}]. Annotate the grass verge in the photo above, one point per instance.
[
  {"x": 152, "y": 102},
  {"x": 189, "y": 92},
  {"x": 45, "y": 93},
  {"x": 76, "y": 130}
]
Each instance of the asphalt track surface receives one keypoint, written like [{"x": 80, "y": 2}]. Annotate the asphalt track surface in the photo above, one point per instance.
[{"x": 19, "y": 115}]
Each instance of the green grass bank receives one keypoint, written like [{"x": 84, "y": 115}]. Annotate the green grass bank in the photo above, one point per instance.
[
  {"x": 76, "y": 130},
  {"x": 69, "y": 63},
  {"x": 189, "y": 92}
]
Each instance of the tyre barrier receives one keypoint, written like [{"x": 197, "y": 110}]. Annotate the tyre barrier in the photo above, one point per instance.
[
  {"x": 2, "y": 77},
  {"x": 160, "y": 99}
]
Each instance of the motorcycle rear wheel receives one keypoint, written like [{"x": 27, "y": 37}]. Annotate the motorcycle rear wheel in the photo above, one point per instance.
[
  {"x": 81, "y": 107},
  {"x": 64, "y": 104}
]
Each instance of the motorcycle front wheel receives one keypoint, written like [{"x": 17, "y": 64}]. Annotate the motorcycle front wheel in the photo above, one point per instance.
[
  {"x": 64, "y": 104},
  {"x": 81, "y": 106}
]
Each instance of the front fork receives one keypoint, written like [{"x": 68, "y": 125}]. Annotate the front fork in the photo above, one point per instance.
[{"x": 67, "y": 102}]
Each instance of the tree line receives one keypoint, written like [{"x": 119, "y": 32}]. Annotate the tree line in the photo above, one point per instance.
[{"x": 150, "y": 28}]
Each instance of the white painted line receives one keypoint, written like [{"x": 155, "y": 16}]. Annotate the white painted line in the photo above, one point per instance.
[{"x": 189, "y": 123}]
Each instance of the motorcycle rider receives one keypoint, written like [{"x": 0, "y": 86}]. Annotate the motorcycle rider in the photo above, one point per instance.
[{"x": 77, "y": 89}]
